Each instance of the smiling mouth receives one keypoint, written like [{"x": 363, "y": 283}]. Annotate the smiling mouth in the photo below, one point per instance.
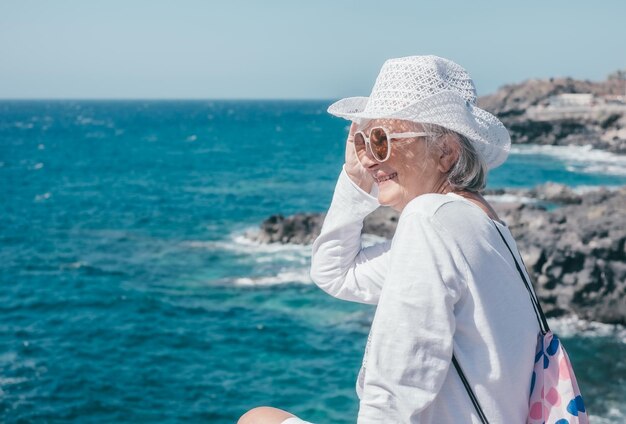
[{"x": 386, "y": 178}]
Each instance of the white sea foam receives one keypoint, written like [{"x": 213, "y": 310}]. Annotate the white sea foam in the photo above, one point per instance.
[
  {"x": 6, "y": 381},
  {"x": 278, "y": 263},
  {"x": 42, "y": 197},
  {"x": 581, "y": 159},
  {"x": 88, "y": 121},
  {"x": 73, "y": 265},
  {"x": 292, "y": 257},
  {"x": 582, "y": 189},
  {"x": 613, "y": 416},
  {"x": 371, "y": 239},
  {"x": 239, "y": 243},
  {"x": 284, "y": 277},
  {"x": 292, "y": 260},
  {"x": 603, "y": 168},
  {"x": 507, "y": 198},
  {"x": 574, "y": 326}
]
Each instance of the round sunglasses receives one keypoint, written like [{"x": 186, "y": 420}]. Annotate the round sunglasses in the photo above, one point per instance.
[{"x": 379, "y": 142}]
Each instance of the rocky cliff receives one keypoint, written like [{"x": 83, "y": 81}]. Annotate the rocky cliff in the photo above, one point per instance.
[{"x": 604, "y": 128}]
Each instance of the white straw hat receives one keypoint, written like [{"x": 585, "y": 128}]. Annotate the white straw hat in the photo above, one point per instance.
[{"x": 434, "y": 90}]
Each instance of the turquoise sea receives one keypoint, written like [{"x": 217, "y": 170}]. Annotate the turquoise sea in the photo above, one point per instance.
[{"x": 128, "y": 293}]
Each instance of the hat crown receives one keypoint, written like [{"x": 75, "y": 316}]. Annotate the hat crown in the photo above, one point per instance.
[{"x": 406, "y": 80}]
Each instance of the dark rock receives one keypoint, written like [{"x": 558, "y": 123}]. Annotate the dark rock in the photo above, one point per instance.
[
  {"x": 553, "y": 192},
  {"x": 610, "y": 120},
  {"x": 297, "y": 229},
  {"x": 382, "y": 222},
  {"x": 529, "y": 131}
]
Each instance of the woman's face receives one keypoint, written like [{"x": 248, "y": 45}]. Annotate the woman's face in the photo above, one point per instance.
[{"x": 412, "y": 168}]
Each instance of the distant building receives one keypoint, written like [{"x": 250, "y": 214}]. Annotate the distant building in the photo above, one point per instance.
[
  {"x": 572, "y": 100},
  {"x": 577, "y": 105}
]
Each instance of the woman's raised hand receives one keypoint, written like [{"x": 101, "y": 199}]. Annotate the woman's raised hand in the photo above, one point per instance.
[{"x": 355, "y": 170}]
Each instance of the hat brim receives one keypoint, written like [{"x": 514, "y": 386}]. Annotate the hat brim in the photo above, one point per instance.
[{"x": 447, "y": 109}]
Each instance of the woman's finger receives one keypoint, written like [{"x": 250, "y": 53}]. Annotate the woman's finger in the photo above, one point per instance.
[{"x": 353, "y": 128}]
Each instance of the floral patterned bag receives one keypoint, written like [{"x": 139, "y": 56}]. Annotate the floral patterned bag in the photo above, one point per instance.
[{"x": 554, "y": 394}]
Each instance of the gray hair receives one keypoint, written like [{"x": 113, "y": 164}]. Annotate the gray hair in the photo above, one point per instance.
[{"x": 470, "y": 171}]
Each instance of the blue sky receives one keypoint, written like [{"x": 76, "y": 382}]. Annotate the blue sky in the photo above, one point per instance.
[{"x": 289, "y": 48}]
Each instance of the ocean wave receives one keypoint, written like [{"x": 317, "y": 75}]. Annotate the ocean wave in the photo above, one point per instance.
[
  {"x": 598, "y": 169},
  {"x": 89, "y": 121},
  {"x": 268, "y": 252},
  {"x": 42, "y": 197},
  {"x": 237, "y": 242},
  {"x": 284, "y": 277},
  {"x": 583, "y": 189},
  {"x": 509, "y": 198},
  {"x": 266, "y": 264},
  {"x": 276, "y": 263},
  {"x": 579, "y": 159},
  {"x": 7, "y": 381},
  {"x": 371, "y": 239},
  {"x": 614, "y": 415},
  {"x": 573, "y": 326}
]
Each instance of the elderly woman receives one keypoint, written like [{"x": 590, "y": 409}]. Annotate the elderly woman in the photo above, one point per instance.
[{"x": 446, "y": 286}]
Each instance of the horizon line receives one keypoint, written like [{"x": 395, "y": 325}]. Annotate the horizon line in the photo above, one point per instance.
[
  {"x": 503, "y": 86},
  {"x": 160, "y": 99}
]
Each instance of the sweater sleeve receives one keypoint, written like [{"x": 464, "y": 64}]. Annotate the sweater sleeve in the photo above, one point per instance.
[
  {"x": 339, "y": 265},
  {"x": 414, "y": 323}
]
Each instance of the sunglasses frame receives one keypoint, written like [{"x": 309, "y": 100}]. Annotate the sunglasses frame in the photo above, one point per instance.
[{"x": 390, "y": 136}]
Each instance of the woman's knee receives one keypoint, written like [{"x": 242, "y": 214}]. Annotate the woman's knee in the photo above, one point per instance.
[{"x": 264, "y": 415}]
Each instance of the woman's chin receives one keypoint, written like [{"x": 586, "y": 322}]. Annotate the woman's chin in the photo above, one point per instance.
[
  {"x": 389, "y": 196},
  {"x": 384, "y": 198}
]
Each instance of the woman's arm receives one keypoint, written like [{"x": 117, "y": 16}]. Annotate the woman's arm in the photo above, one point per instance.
[
  {"x": 338, "y": 264},
  {"x": 412, "y": 332}
]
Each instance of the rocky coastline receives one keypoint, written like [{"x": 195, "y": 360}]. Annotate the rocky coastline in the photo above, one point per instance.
[
  {"x": 573, "y": 245},
  {"x": 563, "y": 111}
]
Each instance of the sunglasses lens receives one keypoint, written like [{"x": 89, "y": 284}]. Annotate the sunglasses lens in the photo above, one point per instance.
[
  {"x": 379, "y": 143},
  {"x": 359, "y": 144}
]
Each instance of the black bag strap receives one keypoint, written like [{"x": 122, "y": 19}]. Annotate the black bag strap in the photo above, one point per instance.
[
  {"x": 481, "y": 414},
  {"x": 543, "y": 324}
]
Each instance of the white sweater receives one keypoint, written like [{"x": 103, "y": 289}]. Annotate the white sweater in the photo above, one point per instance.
[{"x": 445, "y": 281}]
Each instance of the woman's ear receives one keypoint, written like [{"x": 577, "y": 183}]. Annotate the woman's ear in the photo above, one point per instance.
[{"x": 448, "y": 155}]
